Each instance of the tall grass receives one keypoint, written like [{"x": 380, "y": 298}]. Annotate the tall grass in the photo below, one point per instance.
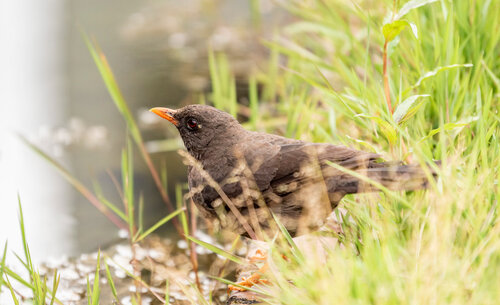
[{"x": 438, "y": 98}]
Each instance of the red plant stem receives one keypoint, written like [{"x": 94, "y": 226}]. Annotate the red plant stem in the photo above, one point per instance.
[
  {"x": 115, "y": 183},
  {"x": 79, "y": 187},
  {"x": 157, "y": 181},
  {"x": 386, "y": 80},
  {"x": 95, "y": 202}
]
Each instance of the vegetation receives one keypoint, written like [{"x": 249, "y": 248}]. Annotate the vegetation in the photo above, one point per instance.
[
  {"x": 416, "y": 81},
  {"x": 357, "y": 74}
]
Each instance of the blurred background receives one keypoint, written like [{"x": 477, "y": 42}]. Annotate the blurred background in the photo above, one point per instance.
[{"x": 51, "y": 93}]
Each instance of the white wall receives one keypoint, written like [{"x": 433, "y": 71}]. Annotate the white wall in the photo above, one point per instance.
[{"x": 32, "y": 95}]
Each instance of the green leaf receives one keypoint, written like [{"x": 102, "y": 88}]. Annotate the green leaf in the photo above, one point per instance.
[
  {"x": 392, "y": 30},
  {"x": 385, "y": 127},
  {"x": 408, "y": 6},
  {"x": 407, "y": 109},
  {"x": 218, "y": 250}
]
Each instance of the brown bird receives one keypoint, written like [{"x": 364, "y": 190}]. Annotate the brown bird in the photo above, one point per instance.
[{"x": 243, "y": 178}]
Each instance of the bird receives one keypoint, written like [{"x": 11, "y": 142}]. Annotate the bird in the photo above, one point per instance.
[{"x": 246, "y": 179}]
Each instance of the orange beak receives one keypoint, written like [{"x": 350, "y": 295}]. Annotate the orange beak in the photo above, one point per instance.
[{"x": 166, "y": 113}]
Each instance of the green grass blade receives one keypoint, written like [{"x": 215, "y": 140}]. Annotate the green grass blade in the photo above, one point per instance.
[
  {"x": 179, "y": 201},
  {"x": 120, "y": 103},
  {"x": 107, "y": 203},
  {"x": 25, "y": 265},
  {"x": 96, "y": 292},
  {"x": 28, "y": 262},
  {"x": 113, "y": 88},
  {"x": 111, "y": 282},
  {"x": 167, "y": 290},
  {"x": 128, "y": 187},
  {"x": 294, "y": 248},
  {"x": 141, "y": 215},
  {"x": 18, "y": 278},
  {"x": 2, "y": 265},
  {"x": 159, "y": 224},
  {"x": 55, "y": 285},
  {"x": 218, "y": 250},
  {"x": 12, "y": 293}
]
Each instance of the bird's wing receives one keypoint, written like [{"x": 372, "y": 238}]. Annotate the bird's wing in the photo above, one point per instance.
[
  {"x": 306, "y": 162},
  {"x": 279, "y": 160},
  {"x": 392, "y": 175},
  {"x": 274, "y": 161},
  {"x": 262, "y": 157}
]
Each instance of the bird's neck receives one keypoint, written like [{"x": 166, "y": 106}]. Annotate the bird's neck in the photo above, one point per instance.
[{"x": 219, "y": 149}]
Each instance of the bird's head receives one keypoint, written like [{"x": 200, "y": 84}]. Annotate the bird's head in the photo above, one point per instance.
[{"x": 199, "y": 125}]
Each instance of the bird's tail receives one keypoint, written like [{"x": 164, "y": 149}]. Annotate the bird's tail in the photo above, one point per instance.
[{"x": 390, "y": 175}]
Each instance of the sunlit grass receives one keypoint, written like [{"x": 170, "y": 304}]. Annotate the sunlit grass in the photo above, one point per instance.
[
  {"x": 440, "y": 246},
  {"x": 42, "y": 292}
]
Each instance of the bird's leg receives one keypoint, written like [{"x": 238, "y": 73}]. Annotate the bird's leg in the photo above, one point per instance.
[{"x": 255, "y": 278}]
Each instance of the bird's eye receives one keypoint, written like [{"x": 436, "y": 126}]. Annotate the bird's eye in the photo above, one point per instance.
[{"x": 192, "y": 124}]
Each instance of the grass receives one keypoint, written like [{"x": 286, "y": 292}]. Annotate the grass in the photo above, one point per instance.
[
  {"x": 417, "y": 81},
  {"x": 437, "y": 99},
  {"x": 42, "y": 293}
]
